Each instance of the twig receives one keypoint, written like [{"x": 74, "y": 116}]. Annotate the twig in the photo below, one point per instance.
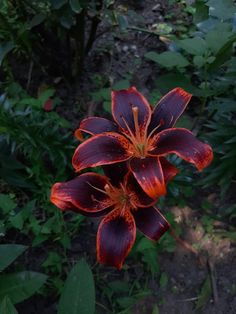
[
  {"x": 29, "y": 75},
  {"x": 213, "y": 281},
  {"x": 189, "y": 299},
  {"x": 183, "y": 243}
]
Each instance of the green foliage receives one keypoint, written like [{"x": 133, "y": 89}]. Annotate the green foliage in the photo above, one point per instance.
[
  {"x": 205, "y": 294},
  {"x": 222, "y": 138},
  {"x": 6, "y": 307},
  {"x": 39, "y": 142},
  {"x": 20, "y": 286},
  {"x": 8, "y": 253},
  {"x": 78, "y": 295}
]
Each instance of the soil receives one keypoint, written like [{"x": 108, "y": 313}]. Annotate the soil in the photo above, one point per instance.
[{"x": 120, "y": 55}]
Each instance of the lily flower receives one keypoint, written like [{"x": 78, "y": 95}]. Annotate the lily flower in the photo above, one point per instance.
[
  {"x": 141, "y": 136},
  {"x": 124, "y": 207}
]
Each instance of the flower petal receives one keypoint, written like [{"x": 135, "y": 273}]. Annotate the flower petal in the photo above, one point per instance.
[
  {"x": 184, "y": 144},
  {"x": 148, "y": 173},
  {"x": 122, "y": 103},
  {"x": 102, "y": 149},
  {"x": 95, "y": 125},
  {"x": 169, "y": 109},
  {"x": 169, "y": 171},
  {"x": 115, "y": 238},
  {"x": 141, "y": 199},
  {"x": 151, "y": 222},
  {"x": 81, "y": 193},
  {"x": 116, "y": 172}
]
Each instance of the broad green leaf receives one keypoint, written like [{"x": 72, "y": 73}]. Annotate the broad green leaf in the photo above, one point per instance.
[
  {"x": 205, "y": 293},
  {"x": 78, "y": 295},
  {"x": 223, "y": 54},
  {"x": 168, "y": 59},
  {"x": 9, "y": 252},
  {"x": 6, "y": 203},
  {"x": 75, "y": 6},
  {"x": 222, "y": 9},
  {"x": 4, "y": 49},
  {"x": 195, "y": 46},
  {"x": 20, "y": 286},
  {"x": 6, "y": 307},
  {"x": 216, "y": 39},
  {"x": 168, "y": 81}
]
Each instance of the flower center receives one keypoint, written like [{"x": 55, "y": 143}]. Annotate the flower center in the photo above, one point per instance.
[
  {"x": 120, "y": 197},
  {"x": 137, "y": 137}
]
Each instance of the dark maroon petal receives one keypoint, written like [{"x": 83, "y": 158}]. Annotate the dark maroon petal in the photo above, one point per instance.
[
  {"x": 184, "y": 144},
  {"x": 151, "y": 222},
  {"x": 95, "y": 125},
  {"x": 169, "y": 109},
  {"x": 81, "y": 193},
  {"x": 148, "y": 173},
  {"x": 102, "y": 149},
  {"x": 169, "y": 171},
  {"x": 115, "y": 238},
  {"x": 116, "y": 172},
  {"x": 122, "y": 103},
  {"x": 141, "y": 199}
]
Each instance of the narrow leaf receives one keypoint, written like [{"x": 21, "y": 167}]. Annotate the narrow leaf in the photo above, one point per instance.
[
  {"x": 78, "y": 295},
  {"x": 205, "y": 293}
]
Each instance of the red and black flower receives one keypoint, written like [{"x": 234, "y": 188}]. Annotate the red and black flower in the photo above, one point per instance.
[
  {"x": 141, "y": 137},
  {"x": 125, "y": 207}
]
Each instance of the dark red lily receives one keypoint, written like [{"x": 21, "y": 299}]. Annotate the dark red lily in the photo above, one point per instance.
[
  {"x": 125, "y": 207},
  {"x": 141, "y": 136}
]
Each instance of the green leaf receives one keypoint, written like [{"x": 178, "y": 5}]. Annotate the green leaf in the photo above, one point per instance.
[
  {"x": 5, "y": 48},
  {"x": 155, "y": 310},
  {"x": 195, "y": 46},
  {"x": 17, "y": 221},
  {"x": 20, "y": 286},
  {"x": 168, "y": 59},
  {"x": 201, "y": 12},
  {"x": 223, "y": 54},
  {"x": 78, "y": 295},
  {"x": 222, "y": 9},
  {"x": 6, "y": 203},
  {"x": 205, "y": 294},
  {"x": 57, "y": 4},
  {"x": 37, "y": 19},
  {"x": 122, "y": 84},
  {"x": 6, "y": 307},
  {"x": 9, "y": 252},
  {"x": 122, "y": 22},
  {"x": 75, "y": 6},
  {"x": 163, "y": 280}
]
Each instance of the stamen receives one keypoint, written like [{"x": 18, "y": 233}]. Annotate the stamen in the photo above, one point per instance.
[
  {"x": 150, "y": 135},
  {"x": 102, "y": 191},
  {"x": 136, "y": 125},
  {"x": 131, "y": 137}
]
